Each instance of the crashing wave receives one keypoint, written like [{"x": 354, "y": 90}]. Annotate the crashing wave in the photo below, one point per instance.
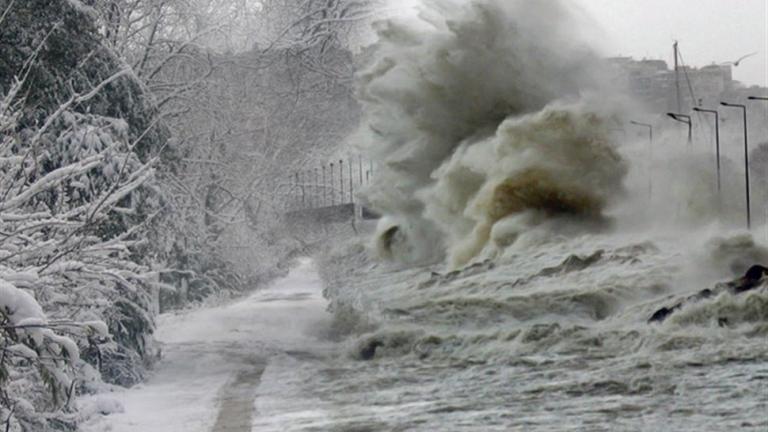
[{"x": 485, "y": 121}]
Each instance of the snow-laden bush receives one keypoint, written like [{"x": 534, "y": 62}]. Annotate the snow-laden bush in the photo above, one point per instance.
[{"x": 71, "y": 289}]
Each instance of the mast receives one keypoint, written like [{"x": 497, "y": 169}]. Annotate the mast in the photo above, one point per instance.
[{"x": 677, "y": 79}]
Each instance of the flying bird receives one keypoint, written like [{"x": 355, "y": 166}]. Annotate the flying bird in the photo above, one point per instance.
[{"x": 736, "y": 63}]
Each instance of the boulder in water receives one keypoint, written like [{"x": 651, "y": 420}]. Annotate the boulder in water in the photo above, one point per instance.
[{"x": 753, "y": 278}]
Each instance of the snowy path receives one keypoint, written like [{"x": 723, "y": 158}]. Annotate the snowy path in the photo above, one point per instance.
[{"x": 214, "y": 359}]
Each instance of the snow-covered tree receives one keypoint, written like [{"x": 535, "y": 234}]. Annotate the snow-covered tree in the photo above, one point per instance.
[{"x": 79, "y": 146}]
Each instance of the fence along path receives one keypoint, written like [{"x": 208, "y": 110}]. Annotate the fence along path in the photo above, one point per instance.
[{"x": 330, "y": 185}]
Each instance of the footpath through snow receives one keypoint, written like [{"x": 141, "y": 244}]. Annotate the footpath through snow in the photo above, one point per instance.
[{"x": 214, "y": 361}]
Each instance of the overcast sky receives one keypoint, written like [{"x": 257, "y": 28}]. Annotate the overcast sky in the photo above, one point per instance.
[{"x": 708, "y": 31}]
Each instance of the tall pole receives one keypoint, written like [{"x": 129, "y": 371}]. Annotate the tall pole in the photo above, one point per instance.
[
  {"x": 717, "y": 140},
  {"x": 764, "y": 99},
  {"x": 758, "y": 98},
  {"x": 650, "y": 153},
  {"x": 677, "y": 77},
  {"x": 746, "y": 155}
]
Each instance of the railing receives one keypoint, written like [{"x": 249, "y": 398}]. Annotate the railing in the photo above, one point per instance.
[{"x": 329, "y": 185}]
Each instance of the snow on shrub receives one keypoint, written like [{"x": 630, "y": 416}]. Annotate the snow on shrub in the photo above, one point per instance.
[{"x": 71, "y": 288}]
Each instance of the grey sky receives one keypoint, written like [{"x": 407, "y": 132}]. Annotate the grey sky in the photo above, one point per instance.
[{"x": 708, "y": 31}]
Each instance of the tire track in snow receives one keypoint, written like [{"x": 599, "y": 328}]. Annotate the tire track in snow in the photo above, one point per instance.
[
  {"x": 210, "y": 375},
  {"x": 237, "y": 399}
]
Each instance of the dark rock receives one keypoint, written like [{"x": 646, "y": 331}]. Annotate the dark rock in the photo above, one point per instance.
[
  {"x": 662, "y": 314},
  {"x": 369, "y": 350},
  {"x": 754, "y": 277}
]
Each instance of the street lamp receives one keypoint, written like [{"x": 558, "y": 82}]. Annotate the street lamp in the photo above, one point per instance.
[
  {"x": 683, "y": 118},
  {"x": 650, "y": 129},
  {"x": 650, "y": 152},
  {"x": 758, "y": 98},
  {"x": 717, "y": 140},
  {"x": 746, "y": 154},
  {"x": 764, "y": 99}
]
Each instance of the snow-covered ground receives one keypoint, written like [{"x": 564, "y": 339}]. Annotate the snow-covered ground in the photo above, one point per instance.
[{"x": 216, "y": 361}]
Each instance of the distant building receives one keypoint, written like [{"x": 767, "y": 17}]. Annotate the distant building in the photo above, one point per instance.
[{"x": 653, "y": 83}]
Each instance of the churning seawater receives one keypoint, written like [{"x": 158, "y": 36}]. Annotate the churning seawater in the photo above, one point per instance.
[{"x": 551, "y": 338}]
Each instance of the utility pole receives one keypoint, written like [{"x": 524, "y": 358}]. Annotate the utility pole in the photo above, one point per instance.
[{"x": 677, "y": 78}]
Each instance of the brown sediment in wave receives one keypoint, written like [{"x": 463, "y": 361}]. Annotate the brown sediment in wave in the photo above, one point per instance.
[
  {"x": 536, "y": 189},
  {"x": 557, "y": 163}
]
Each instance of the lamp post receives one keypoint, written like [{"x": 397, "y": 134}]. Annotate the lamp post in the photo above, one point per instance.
[
  {"x": 650, "y": 131},
  {"x": 746, "y": 154},
  {"x": 686, "y": 119},
  {"x": 758, "y": 98},
  {"x": 717, "y": 140},
  {"x": 650, "y": 153},
  {"x": 764, "y": 99}
]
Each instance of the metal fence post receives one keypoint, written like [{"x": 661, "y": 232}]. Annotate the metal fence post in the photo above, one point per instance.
[
  {"x": 324, "y": 188},
  {"x": 303, "y": 192},
  {"x": 360, "y": 168},
  {"x": 333, "y": 199},
  {"x": 290, "y": 200},
  {"x": 316, "y": 194},
  {"x": 351, "y": 185},
  {"x": 341, "y": 181}
]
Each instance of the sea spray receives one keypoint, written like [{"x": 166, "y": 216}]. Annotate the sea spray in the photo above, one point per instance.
[
  {"x": 556, "y": 162},
  {"x": 482, "y": 113}
]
